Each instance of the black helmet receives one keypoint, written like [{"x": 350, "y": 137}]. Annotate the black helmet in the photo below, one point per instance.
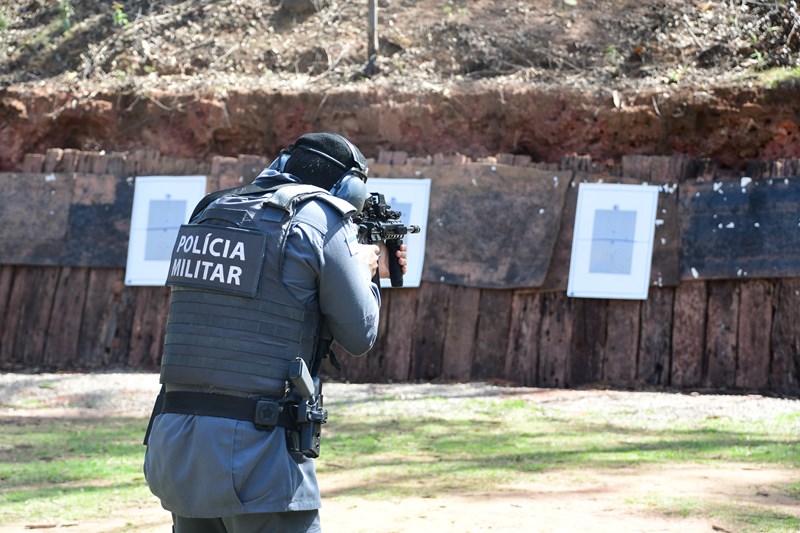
[{"x": 329, "y": 161}]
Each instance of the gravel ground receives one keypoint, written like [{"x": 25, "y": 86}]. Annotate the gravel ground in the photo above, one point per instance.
[
  {"x": 597, "y": 500},
  {"x": 133, "y": 393}
]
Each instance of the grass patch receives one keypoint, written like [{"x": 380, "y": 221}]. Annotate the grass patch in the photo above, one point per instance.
[
  {"x": 739, "y": 517},
  {"x": 78, "y": 469},
  {"x": 778, "y": 77},
  {"x": 793, "y": 490},
  {"x": 480, "y": 444},
  {"x": 68, "y": 469},
  {"x": 669, "y": 505}
]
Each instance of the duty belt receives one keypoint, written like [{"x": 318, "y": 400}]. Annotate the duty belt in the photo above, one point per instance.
[{"x": 264, "y": 413}]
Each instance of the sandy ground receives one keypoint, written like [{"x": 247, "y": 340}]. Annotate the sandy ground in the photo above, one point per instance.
[{"x": 593, "y": 500}]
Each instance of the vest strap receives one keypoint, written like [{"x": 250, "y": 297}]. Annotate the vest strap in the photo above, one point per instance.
[{"x": 245, "y": 189}]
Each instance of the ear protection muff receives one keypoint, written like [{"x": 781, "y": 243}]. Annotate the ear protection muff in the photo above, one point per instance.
[
  {"x": 351, "y": 186},
  {"x": 280, "y": 163}
]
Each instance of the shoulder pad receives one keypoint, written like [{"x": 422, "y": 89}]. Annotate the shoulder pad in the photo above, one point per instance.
[
  {"x": 342, "y": 206},
  {"x": 289, "y": 196}
]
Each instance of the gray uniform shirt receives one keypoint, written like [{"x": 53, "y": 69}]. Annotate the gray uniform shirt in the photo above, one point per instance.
[{"x": 204, "y": 467}]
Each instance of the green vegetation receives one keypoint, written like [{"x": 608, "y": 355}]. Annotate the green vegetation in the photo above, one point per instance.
[
  {"x": 450, "y": 9},
  {"x": 66, "y": 469},
  {"x": 119, "y": 15},
  {"x": 389, "y": 447},
  {"x": 66, "y": 10},
  {"x": 674, "y": 75},
  {"x": 778, "y": 77},
  {"x": 613, "y": 55},
  {"x": 485, "y": 443},
  {"x": 739, "y": 517}
]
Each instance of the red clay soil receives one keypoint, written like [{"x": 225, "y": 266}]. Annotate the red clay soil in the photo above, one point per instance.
[{"x": 730, "y": 126}]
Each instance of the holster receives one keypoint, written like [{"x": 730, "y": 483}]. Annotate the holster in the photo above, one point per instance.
[{"x": 310, "y": 417}]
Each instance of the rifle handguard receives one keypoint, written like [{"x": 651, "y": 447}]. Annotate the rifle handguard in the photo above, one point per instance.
[{"x": 379, "y": 223}]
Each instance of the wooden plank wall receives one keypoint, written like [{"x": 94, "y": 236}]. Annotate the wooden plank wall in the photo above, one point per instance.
[
  {"x": 72, "y": 317},
  {"x": 709, "y": 335}
]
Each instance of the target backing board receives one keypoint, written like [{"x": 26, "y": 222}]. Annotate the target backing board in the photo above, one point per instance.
[
  {"x": 160, "y": 205},
  {"x": 412, "y": 198},
  {"x": 612, "y": 244}
]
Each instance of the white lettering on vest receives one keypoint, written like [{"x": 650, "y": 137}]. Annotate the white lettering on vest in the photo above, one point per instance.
[
  {"x": 176, "y": 267},
  {"x": 212, "y": 247},
  {"x": 187, "y": 243},
  {"x": 219, "y": 273},
  {"x": 238, "y": 249},
  {"x": 206, "y": 258},
  {"x": 206, "y": 266},
  {"x": 233, "y": 275}
]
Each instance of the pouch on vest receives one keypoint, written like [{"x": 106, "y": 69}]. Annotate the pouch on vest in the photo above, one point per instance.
[{"x": 218, "y": 258}]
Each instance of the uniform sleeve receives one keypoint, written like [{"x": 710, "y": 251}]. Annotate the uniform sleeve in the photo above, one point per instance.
[{"x": 349, "y": 300}]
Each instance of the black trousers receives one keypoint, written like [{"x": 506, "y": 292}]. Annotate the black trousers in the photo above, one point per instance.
[{"x": 288, "y": 522}]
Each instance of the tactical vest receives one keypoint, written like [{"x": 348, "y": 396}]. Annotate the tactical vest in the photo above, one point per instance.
[{"x": 229, "y": 326}]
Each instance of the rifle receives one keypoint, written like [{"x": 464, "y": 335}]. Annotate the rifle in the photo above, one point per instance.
[{"x": 377, "y": 223}]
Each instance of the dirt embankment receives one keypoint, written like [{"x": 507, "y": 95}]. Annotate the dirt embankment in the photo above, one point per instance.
[
  {"x": 731, "y": 126},
  {"x": 544, "y": 79}
]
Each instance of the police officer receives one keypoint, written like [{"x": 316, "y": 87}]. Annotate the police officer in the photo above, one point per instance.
[{"x": 262, "y": 275}]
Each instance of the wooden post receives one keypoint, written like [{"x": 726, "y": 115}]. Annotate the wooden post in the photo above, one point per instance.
[
  {"x": 587, "y": 351},
  {"x": 522, "y": 351},
  {"x": 688, "y": 334},
  {"x": 655, "y": 339},
  {"x": 459, "y": 342},
  {"x": 622, "y": 342},
  {"x": 555, "y": 339},
  {"x": 754, "y": 333},
  {"x": 399, "y": 340},
  {"x": 784, "y": 376},
  {"x": 722, "y": 334},
  {"x": 491, "y": 338},
  {"x": 429, "y": 337},
  {"x": 372, "y": 45}
]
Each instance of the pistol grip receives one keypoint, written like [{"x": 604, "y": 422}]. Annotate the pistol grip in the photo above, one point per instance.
[{"x": 395, "y": 268}]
